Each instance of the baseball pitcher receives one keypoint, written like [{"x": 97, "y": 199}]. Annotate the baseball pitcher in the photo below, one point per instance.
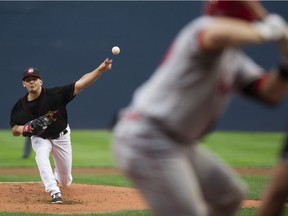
[{"x": 41, "y": 114}]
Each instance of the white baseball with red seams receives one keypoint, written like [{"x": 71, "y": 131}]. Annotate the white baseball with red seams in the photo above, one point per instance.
[{"x": 115, "y": 50}]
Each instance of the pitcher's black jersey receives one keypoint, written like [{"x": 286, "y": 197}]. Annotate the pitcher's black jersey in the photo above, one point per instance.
[{"x": 51, "y": 101}]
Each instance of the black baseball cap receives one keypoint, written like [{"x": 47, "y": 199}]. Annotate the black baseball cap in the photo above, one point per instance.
[{"x": 31, "y": 72}]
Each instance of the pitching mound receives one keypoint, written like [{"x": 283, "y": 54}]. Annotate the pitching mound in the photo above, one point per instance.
[{"x": 78, "y": 199}]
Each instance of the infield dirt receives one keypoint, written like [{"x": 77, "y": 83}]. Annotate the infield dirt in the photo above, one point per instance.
[{"x": 81, "y": 198}]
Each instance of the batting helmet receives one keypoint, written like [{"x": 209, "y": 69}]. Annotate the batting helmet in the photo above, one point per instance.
[{"x": 237, "y": 9}]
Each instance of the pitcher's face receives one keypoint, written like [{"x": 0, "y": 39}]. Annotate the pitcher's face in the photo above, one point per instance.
[{"x": 32, "y": 84}]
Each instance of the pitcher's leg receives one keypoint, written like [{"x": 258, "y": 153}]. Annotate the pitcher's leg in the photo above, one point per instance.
[
  {"x": 42, "y": 148},
  {"x": 62, "y": 155}
]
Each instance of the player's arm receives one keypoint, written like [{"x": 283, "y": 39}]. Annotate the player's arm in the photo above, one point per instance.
[
  {"x": 229, "y": 32},
  {"x": 91, "y": 77},
  {"x": 273, "y": 87}
]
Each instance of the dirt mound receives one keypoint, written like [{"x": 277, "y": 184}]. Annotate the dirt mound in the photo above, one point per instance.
[
  {"x": 81, "y": 198},
  {"x": 78, "y": 198}
]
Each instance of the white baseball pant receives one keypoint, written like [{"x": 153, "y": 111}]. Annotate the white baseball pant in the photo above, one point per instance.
[{"x": 61, "y": 151}]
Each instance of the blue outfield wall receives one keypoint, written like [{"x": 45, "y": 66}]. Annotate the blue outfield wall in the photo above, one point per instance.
[{"x": 69, "y": 38}]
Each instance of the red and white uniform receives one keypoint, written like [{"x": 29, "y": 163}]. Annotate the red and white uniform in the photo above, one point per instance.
[{"x": 156, "y": 140}]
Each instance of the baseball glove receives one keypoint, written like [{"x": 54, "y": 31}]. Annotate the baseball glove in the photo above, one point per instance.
[{"x": 36, "y": 126}]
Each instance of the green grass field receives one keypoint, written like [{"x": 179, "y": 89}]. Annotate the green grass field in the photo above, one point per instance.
[{"x": 92, "y": 149}]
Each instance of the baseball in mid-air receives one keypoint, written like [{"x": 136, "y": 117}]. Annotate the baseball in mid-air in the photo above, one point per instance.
[{"x": 115, "y": 50}]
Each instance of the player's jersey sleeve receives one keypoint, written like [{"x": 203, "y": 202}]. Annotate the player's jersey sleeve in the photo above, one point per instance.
[
  {"x": 18, "y": 115},
  {"x": 247, "y": 72},
  {"x": 66, "y": 93},
  {"x": 13, "y": 119}
]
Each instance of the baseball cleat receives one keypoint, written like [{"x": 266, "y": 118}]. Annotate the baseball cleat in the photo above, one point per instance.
[{"x": 56, "y": 198}]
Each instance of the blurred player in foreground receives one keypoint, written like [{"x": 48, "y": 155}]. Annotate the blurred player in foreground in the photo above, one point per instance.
[
  {"x": 156, "y": 141},
  {"x": 41, "y": 114}
]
